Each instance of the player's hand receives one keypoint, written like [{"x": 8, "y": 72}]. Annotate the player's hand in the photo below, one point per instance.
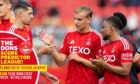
[
  {"x": 45, "y": 49},
  {"x": 47, "y": 39},
  {"x": 51, "y": 49},
  {"x": 42, "y": 50},
  {"x": 51, "y": 77},
  {"x": 98, "y": 61},
  {"x": 74, "y": 56}
]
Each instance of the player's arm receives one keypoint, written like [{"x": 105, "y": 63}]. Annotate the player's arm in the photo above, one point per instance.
[
  {"x": 51, "y": 77},
  {"x": 126, "y": 59},
  {"x": 59, "y": 58},
  {"x": 123, "y": 69},
  {"x": 136, "y": 59},
  {"x": 100, "y": 67},
  {"x": 51, "y": 48},
  {"x": 42, "y": 50},
  {"x": 86, "y": 62}
]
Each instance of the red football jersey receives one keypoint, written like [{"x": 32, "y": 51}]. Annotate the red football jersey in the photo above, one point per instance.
[
  {"x": 5, "y": 24},
  {"x": 115, "y": 53},
  {"x": 85, "y": 45},
  {"x": 24, "y": 32}
]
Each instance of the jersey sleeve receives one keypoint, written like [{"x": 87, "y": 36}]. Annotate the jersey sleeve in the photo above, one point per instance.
[
  {"x": 64, "y": 46},
  {"x": 131, "y": 42},
  {"x": 127, "y": 52}
]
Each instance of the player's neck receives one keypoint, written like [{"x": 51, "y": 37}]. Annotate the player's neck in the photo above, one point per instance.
[
  {"x": 85, "y": 30},
  {"x": 114, "y": 37},
  {"x": 18, "y": 23}
]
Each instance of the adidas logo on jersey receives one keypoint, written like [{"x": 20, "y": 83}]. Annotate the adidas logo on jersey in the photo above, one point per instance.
[
  {"x": 113, "y": 50},
  {"x": 72, "y": 42}
]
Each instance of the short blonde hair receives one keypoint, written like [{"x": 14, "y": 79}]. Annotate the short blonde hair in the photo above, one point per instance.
[{"x": 86, "y": 9}]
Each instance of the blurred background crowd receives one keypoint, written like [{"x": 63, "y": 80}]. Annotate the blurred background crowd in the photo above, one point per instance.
[{"x": 56, "y": 16}]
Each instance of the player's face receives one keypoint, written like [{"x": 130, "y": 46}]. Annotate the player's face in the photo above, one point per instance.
[
  {"x": 106, "y": 30},
  {"x": 81, "y": 21},
  {"x": 27, "y": 16},
  {"x": 4, "y": 8}
]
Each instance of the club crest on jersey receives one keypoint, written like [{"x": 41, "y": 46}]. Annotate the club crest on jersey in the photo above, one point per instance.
[
  {"x": 100, "y": 51},
  {"x": 104, "y": 51},
  {"x": 113, "y": 50},
  {"x": 25, "y": 47},
  {"x": 88, "y": 42}
]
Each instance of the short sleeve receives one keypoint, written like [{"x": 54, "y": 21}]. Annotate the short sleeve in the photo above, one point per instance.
[
  {"x": 64, "y": 46},
  {"x": 126, "y": 51},
  {"x": 127, "y": 56}
]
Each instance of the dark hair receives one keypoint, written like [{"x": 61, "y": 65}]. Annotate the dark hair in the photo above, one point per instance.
[
  {"x": 122, "y": 17},
  {"x": 118, "y": 20},
  {"x": 84, "y": 8},
  {"x": 22, "y": 4}
]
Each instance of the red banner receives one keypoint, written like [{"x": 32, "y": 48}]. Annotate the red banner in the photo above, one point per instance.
[{"x": 15, "y": 50}]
